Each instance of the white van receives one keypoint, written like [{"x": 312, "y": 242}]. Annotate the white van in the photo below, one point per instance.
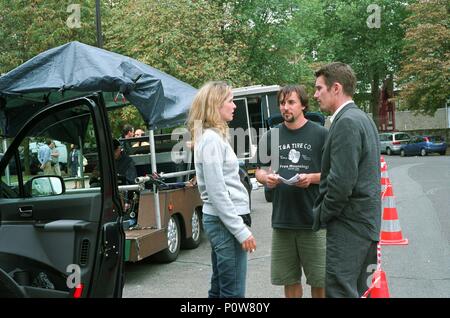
[{"x": 390, "y": 143}]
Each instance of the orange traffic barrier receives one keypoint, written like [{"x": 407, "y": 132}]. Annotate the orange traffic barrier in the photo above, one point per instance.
[
  {"x": 379, "y": 286},
  {"x": 384, "y": 175},
  {"x": 391, "y": 232}
]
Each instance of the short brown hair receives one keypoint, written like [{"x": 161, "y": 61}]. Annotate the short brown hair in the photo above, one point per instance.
[
  {"x": 289, "y": 89},
  {"x": 338, "y": 72}
]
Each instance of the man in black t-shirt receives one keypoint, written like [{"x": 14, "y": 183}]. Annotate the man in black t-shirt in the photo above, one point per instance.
[{"x": 292, "y": 171}]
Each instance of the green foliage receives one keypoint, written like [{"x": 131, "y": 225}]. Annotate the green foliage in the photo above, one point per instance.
[
  {"x": 251, "y": 42},
  {"x": 374, "y": 53},
  {"x": 180, "y": 37},
  {"x": 425, "y": 73},
  {"x": 127, "y": 115},
  {"x": 264, "y": 29},
  {"x": 29, "y": 27}
]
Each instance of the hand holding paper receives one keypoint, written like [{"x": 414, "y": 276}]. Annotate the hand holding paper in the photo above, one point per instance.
[{"x": 292, "y": 181}]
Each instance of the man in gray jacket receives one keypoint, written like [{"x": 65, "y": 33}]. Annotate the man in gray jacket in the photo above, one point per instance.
[{"x": 349, "y": 201}]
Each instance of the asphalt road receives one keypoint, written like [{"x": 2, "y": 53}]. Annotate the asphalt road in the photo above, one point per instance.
[
  {"x": 421, "y": 186},
  {"x": 420, "y": 269},
  {"x": 188, "y": 276}
]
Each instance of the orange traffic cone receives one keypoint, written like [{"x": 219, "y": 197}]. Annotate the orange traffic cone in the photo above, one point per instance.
[
  {"x": 391, "y": 233},
  {"x": 384, "y": 175},
  {"x": 379, "y": 286}
]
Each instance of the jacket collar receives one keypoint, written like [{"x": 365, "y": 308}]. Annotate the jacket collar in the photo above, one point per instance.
[{"x": 342, "y": 111}]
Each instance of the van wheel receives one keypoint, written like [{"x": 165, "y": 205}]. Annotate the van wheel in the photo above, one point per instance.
[
  {"x": 388, "y": 151},
  {"x": 423, "y": 152},
  {"x": 173, "y": 240},
  {"x": 402, "y": 153},
  {"x": 194, "y": 240}
]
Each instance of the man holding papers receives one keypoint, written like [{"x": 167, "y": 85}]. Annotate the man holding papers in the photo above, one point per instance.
[{"x": 292, "y": 169}]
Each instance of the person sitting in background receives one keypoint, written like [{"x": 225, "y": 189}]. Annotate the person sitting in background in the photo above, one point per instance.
[
  {"x": 127, "y": 132},
  {"x": 126, "y": 172},
  {"x": 124, "y": 164},
  {"x": 140, "y": 133}
]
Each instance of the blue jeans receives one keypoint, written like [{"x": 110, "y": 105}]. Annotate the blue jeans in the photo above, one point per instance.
[{"x": 229, "y": 260}]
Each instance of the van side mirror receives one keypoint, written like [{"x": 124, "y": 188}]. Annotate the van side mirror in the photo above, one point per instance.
[{"x": 43, "y": 186}]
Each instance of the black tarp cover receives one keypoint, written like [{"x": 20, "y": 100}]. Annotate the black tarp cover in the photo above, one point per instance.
[{"x": 75, "y": 69}]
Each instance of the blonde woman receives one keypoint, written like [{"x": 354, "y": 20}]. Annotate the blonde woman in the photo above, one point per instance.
[{"x": 225, "y": 199}]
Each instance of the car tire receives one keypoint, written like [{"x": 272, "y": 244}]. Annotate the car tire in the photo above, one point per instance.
[
  {"x": 173, "y": 237},
  {"x": 402, "y": 153},
  {"x": 388, "y": 151},
  {"x": 194, "y": 240},
  {"x": 423, "y": 152},
  {"x": 442, "y": 153}
]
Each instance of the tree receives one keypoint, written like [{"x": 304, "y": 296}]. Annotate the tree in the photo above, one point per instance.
[
  {"x": 263, "y": 29},
  {"x": 349, "y": 33},
  {"x": 30, "y": 27},
  {"x": 182, "y": 38},
  {"x": 425, "y": 71}
]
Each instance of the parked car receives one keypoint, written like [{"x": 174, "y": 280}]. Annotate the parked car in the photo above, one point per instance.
[
  {"x": 423, "y": 145},
  {"x": 391, "y": 142}
]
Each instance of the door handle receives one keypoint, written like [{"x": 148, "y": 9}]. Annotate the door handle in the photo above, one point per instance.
[{"x": 26, "y": 211}]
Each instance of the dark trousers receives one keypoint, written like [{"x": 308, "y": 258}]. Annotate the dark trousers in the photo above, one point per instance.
[{"x": 350, "y": 261}]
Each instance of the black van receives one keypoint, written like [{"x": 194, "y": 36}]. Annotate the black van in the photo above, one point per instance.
[{"x": 58, "y": 239}]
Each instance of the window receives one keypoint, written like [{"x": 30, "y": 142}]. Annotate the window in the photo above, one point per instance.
[
  {"x": 53, "y": 146},
  {"x": 436, "y": 139},
  {"x": 401, "y": 137}
]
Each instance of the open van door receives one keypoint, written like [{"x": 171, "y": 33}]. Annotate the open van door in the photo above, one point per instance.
[{"x": 55, "y": 241}]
